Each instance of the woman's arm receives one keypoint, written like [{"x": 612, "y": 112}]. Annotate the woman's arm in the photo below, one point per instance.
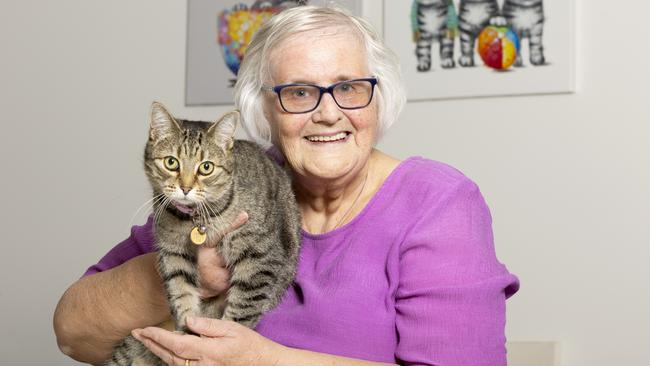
[{"x": 99, "y": 310}]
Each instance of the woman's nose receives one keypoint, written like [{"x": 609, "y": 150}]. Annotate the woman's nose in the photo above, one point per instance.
[{"x": 328, "y": 111}]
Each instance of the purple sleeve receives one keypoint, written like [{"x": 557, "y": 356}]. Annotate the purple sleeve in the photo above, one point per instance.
[
  {"x": 450, "y": 300},
  {"x": 140, "y": 242}
]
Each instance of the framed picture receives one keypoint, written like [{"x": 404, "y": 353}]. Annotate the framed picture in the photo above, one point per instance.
[
  {"x": 218, "y": 32},
  {"x": 463, "y": 48}
]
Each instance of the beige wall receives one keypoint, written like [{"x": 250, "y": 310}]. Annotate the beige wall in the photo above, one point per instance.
[{"x": 567, "y": 176}]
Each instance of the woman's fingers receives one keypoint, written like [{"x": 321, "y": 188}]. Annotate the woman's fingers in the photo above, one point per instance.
[
  {"x": 211, "y": 327},
  {"x": 173, "y": 348},
  {"x": 240, "y": 220},
  {"x": 215, "y": 277}
]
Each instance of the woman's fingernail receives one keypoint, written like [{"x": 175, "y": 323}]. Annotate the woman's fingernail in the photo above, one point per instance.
[{"x": 136, "y": 333}]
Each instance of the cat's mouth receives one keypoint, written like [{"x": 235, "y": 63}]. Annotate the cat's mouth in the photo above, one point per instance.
[{"x": 186, "y": 209}]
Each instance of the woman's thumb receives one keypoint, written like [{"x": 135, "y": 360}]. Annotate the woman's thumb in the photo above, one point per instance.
[{"x": 208, "y": 326}]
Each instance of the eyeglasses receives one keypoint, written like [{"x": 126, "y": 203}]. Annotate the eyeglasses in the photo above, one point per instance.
[{"x": 303, "y": 98}]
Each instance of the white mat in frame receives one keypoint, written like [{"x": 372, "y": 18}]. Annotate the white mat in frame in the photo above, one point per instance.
[
  {"x": 556, "y": 76},
  {"x": 208, "y": 81}
]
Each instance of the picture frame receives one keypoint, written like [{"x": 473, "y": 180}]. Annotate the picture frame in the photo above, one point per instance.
[
  {"x": 211, "y": 55},
  {"x": 555, "y": 75}
]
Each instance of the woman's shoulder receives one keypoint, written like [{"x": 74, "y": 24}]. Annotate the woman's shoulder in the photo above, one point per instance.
[
  {"x": 429, "y": 178},
  {"x": 418, "y": 187}
]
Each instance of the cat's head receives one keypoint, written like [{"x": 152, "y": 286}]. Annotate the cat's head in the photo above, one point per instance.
[{"x": 189, "y": 163}]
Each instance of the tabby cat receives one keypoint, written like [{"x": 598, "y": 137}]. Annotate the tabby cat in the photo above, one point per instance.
[
  {"x": 526, "y": 17},
  {"x": 473, "y": 15},
  {"x": 430, "y": 24},
  {"x": 202, "y": 179}
]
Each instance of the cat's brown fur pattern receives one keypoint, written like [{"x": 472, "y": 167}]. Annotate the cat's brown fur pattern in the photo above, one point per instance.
[{"x": 261, "y": 255}]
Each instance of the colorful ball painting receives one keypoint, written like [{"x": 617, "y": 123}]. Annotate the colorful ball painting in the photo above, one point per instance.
[
  {"x": 235, "y": 30},
  {"x": 498, "y": 47}
]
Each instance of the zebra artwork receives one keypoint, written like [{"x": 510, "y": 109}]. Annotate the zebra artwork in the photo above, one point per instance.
[
  {"x": 473, "y": 16},
  {"x": 432, "y": 21},
  {"x": 437, "y": 21},
  {"x": 526, "y": 18}
]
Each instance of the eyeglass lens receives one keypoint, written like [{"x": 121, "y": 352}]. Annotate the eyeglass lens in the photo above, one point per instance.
[{"x": 303, "y": 98}]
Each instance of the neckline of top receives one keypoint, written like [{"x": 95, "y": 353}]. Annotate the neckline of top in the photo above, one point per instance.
[{"x": 368, "y": 206}]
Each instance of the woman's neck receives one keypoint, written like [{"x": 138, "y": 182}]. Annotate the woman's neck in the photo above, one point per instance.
[{"x": 325, "y": 206}]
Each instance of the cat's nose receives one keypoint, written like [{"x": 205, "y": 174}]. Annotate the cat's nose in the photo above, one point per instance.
[{"x": 186, "y": 190}]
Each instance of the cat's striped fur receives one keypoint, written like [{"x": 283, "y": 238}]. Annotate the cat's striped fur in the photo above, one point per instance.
[
  {"x": 430, "y": 25},
  {"x": 526, "y": 18},
  {"x": 473, "y": 16},
  {"x": 261, "y": 255}
]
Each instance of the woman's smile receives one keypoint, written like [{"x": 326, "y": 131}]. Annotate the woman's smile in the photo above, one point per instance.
[{"x": 328, "y": 138}]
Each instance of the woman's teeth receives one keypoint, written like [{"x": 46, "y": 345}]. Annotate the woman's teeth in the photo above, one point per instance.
[{"x": 337, "y": 137}]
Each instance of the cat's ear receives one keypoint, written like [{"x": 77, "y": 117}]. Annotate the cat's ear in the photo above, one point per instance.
[
  {"x": 162, "y": 123},
  {"x": 223, "y": 130}
]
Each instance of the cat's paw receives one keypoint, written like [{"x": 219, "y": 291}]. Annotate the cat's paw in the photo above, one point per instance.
[
  {"x": 498, "y": 21},
  {"x": 447, "y": 63},
  {"x": 519, "y": 62},
  {"x": 185, "y": 330},
  {"x": 424, "y": 64},
  {"x": 466, "y": 61},
  {"x": 140, "y": 361},
  {"x": 537, "y": 59}
]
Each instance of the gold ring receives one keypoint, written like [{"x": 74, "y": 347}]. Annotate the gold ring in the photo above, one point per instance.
[{"x": 188, "y": 363}]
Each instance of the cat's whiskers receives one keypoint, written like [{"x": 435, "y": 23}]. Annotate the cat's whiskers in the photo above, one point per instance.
[
  {"x": 161, "y": 208},
  {"x": 217, "y": 217},
  {"x": 203, "y": 216},
  {"x": 208, "y": 218},
  {"x": 149, "y": 204}
]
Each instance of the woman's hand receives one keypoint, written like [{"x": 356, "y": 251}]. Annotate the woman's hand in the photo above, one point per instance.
[
  {"x": 212, "y": 268},
  {"x": 221, "y": 343}
]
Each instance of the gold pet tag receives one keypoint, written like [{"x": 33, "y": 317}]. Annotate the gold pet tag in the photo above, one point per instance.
[{"x": 198, "y": 235}]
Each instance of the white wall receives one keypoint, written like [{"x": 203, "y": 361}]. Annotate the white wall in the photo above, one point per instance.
[{"x": 567, "y": 176}]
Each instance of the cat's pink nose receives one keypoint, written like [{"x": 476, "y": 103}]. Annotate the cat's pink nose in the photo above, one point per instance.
[{"x": 186, "y": 190}]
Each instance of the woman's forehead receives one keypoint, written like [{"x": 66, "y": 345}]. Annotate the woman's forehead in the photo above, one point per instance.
[{"x": 330, "y": 54}]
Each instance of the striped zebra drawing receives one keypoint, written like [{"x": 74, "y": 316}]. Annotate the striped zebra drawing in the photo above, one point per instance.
[
  {"x": 430, "y": 22},
  {"x": 473, "y": 15},
  {"x": 526, "y": 18}
]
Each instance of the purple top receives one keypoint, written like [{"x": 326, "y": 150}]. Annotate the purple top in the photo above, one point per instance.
[{"x": 413, "y": 279}]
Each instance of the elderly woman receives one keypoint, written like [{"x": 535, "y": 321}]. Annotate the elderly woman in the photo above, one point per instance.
[{"x": 397, "y": 262}]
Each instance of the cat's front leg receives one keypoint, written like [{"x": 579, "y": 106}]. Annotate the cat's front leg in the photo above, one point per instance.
[
  {"x": 467, "y": 40},
  {"x": 535, "y": 45},
  {"x": 181, "y": 281},
  {"x": 446, "y": 51},
  {"x": 423, "y": 53},
  {"x": 255, "y": 288}
]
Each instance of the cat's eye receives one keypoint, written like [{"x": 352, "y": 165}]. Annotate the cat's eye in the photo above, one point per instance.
[
  {"x": 171, "y": 163},
  {"x": 206, "y": 168}
]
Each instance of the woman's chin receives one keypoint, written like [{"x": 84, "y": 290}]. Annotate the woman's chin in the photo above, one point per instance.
[{"x": 331, "y": 166}]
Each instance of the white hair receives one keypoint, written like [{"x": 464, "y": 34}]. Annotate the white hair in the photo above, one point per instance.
[{"x": 382, "y": 63}]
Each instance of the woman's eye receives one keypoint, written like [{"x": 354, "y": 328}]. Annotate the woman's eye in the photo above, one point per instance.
[
  {"x": 300, "y": 93},
  {"x": 346, "y": 88},
  {"x": 206, "y": 168},
  {"x": 171, "y": 163}
]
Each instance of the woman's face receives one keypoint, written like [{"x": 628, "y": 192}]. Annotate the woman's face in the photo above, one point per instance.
[{"x": 322, "y": 58}]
